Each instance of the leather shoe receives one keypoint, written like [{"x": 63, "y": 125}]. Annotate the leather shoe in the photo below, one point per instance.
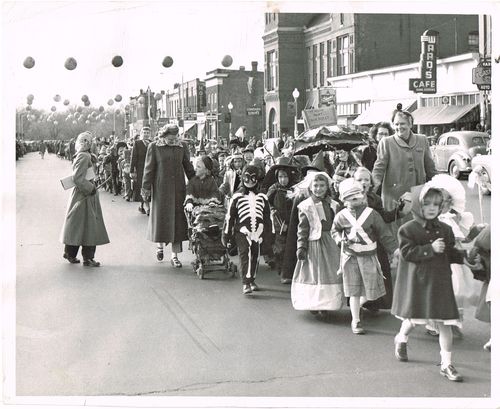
[
  {"x": 91, "y": 263},
  {"x": 451, "y": 373},
  {"x": 357, "y": 328},
  {"x": 400, "y": 351},
  {"x": 247, "y": 289},
  {"x": 72, "y": 260}
]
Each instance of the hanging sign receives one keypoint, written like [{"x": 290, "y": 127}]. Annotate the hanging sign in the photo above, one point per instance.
[
  {"x": 427, "y": 83},
  {"x": 481, "y": 75},
  {"x": 314, "y": 118}
]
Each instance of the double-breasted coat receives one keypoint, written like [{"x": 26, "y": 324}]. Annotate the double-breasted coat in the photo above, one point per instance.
[
  {"x": 165, "y": 171},
  {"x": 84, "y": 224}
]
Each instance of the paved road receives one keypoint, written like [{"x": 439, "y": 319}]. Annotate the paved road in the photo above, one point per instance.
[{"x": 137, "y": 327}]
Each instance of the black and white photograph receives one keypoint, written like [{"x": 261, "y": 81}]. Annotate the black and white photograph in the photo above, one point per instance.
[{"x": 248, "y": 204}]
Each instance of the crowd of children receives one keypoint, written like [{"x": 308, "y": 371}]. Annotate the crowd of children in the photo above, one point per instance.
[{"x": 326, "y": 232}]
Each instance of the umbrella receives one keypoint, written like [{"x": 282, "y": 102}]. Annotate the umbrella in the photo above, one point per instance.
[{"x": 328, "y": 138}]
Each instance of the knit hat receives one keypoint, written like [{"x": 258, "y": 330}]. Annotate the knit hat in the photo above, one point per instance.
[
  {"x": 350, "y": 188},
  {"x": 207, "y": 161}
]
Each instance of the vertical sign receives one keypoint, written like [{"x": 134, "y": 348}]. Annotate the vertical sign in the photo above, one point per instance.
[
  {"x": 426, "y": 84},
  {"x": 202, "y": 96}
]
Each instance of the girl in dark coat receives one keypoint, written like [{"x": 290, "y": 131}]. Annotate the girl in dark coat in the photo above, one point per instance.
[{"x": 423, "y": 291}]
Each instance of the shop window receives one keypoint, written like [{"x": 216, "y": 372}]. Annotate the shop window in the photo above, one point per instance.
[
  {"x": 322, "y": 64},
  {"x": 315, "y": 65},
  {"x": 271, "y": 69},
  {"x": 343, "y": 55}
]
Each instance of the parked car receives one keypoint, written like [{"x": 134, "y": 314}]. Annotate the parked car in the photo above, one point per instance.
[
  {"x": 454, "y": 151},
  {"x": 481, "y": 164}
]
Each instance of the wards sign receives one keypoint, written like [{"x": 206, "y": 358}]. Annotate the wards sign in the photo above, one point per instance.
[{"x": 426, "y": 84}]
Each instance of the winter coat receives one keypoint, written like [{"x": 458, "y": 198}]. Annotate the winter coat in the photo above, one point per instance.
[
  {"x": 137, "y": 160},
  {"x": 400, "y": 166},
  {"x": 165, "y": 169},
  {"x": 84, "y": 224},
  {"x": 423, "y": 287}
]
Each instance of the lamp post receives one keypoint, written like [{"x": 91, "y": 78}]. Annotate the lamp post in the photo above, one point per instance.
[
  {"x": 230, "y": 107},
  {"x": 295, "y": 95}
]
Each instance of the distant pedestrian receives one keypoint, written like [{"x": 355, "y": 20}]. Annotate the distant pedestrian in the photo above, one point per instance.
[
  {"x": 84, "y": 224},
  {"x": 423, "y": 292},
  {"x": 43, "y": 148},
  {"x": 137, "y": 166}
]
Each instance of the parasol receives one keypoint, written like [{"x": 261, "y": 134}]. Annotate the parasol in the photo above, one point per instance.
[{"x": 328, "y": 138}]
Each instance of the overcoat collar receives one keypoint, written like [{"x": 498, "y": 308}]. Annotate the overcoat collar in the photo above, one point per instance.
[{"x": 412, "y": 141}]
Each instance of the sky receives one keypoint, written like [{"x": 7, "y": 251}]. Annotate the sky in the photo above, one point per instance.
[{"x": 196, "y": 35}]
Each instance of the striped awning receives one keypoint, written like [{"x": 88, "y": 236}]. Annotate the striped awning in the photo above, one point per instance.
[{"x": 443, "y": 114}]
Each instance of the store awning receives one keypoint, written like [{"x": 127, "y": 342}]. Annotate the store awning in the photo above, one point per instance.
[
  {"x": 443, "y": 114},
  {"x": 382, "y": 111}
]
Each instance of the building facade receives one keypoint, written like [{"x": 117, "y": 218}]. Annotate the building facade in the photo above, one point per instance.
[
  {"x": 241, "y": 89},
  {"x": 327, "y": 47}
]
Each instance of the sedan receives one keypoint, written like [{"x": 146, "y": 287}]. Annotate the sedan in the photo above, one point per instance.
[{"x": 454, "y": 151}]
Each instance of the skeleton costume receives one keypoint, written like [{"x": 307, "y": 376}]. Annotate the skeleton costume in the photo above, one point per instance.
[{"x": 248, "y": 221}]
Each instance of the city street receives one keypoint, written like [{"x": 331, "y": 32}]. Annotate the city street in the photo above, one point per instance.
[{"x": 138, "y": 327}]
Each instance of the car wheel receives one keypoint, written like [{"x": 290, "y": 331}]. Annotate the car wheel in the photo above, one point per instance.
[{"x": 454, "y": 170}]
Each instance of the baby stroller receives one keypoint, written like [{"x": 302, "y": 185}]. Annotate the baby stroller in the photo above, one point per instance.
[{"x": 205, "y": 224}]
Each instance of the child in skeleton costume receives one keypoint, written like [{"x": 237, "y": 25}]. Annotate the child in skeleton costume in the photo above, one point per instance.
[
  {"x": 248, "y": 221},
  {"x": 358, "y": 228}
]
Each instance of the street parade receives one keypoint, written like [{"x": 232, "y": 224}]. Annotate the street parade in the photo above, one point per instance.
[{"x": 235, "y": 193}]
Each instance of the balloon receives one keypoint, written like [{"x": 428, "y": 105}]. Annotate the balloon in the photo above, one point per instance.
[
  {"x": 227, "y": 61},
  {"x": 30, "y": 97},
  {"x": 117, "y": 61},
  {"x": 70, "y": 63},
  {"x": 117, "y": 112},
  {"x": 167, "y": 62},
  {"x": 79, "y": 109},
  {"x": 57, "y": 98},
  {"x": 157, "y": 96},
  {"x": 127, "y": 108},
  {"x": 101, "y": 109},
  {"x": 142, "y": 100},
  {"x": 29, "y": 62},
  {"x": 118, "y": 98},
  {"x": 85, "y": 98},
  {"x": 53, "y": 109},
  {"x": 86, "y": 103},
  {"x": 111, "y": 102},
  {"x": 66, "y": 102},
  {"x": 107, "y": 116}
]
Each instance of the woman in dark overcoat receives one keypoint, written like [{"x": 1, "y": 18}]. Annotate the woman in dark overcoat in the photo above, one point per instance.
[
  {"x": 137, "y": 160},
  {"x": 166, "y": 166},
  {"x": 84, "y": 224}
]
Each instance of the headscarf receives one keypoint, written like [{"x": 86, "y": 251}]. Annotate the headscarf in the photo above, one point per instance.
[{"x": 83, "y": 142}]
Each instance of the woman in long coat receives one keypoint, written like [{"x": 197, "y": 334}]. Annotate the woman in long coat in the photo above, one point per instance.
[
  {"x": 84, "y": 224},
  {"x": 404, "y": 160},
  {"x": 137, "y": 165},
  {"x": 167, "y": 164}
]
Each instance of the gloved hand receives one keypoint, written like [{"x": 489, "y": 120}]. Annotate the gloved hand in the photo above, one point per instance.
[
  {"x": 189, "y": 207},
  {"x": 301, "y": 253}
]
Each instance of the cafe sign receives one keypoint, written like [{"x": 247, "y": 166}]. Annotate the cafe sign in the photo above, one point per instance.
[
  {"x": 481, "y": 75},
  {"x": 427, "y": 83}
]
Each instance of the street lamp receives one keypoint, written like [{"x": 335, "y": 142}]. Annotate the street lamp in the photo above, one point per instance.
[
  {"x": 295, "y": 95},
  {"x": 230, "y": 107}
]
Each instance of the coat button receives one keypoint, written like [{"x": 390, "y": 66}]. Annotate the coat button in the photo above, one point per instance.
[{"x": 425, "y": 253}]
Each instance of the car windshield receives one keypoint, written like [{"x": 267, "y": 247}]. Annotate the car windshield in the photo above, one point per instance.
[{"x": 479, "y": 140}]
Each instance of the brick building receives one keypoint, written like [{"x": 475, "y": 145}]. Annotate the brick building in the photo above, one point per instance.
[
  {"x": 306, "y": 51},
  {"x": 244, "y": 89}
]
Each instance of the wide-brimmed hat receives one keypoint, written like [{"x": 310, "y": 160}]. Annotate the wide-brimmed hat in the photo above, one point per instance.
[{"x": 283, "y": 163}]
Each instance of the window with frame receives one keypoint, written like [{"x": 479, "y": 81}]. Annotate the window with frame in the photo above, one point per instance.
[
  {"x": 453, "y": 141},
  {"x": 343, "y": 63},
  {"x": 271, "y": 68},
  {"x": 473, "y": 40},
  {"x": 315, "y": 65},
  {"x": 328, "y": 58},
  {"x": 322, "y": 64}
]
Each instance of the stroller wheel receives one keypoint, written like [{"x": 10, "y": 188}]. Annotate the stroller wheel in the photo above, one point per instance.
[{"x": 200, "y": 272}]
